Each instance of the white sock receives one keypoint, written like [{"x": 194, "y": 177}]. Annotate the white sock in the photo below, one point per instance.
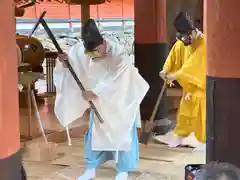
[
  {"x": 88, "y": 174},
  {"x": 122, "y": 176},
  {"x": 176, "y": 142}
]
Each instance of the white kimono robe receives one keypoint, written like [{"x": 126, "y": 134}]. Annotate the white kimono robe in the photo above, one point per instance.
[{"x": 118, "y": 85}]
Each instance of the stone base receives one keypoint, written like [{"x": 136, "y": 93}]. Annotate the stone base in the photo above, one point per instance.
[
  {"x": 40, "y": 151},
  {"x": 11, "y": 168}
]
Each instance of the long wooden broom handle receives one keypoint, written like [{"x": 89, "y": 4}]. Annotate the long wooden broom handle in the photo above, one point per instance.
[
  {"x": 152, "y": 118},
  {"x": 60, "y": 51}
]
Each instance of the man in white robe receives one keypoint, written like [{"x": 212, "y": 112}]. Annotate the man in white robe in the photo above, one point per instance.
[{"x": 114, "y": 85}]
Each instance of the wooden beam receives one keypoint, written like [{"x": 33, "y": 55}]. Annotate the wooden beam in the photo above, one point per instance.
[{"x": 85, "y": 13}]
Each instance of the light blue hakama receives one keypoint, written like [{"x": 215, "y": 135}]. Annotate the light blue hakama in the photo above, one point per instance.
[{"x": 127, "y": 160}]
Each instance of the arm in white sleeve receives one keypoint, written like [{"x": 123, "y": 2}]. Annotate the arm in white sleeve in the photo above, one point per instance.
[
  {"x": 59, "y": 75},
  {"x": 121, "y": 62}
]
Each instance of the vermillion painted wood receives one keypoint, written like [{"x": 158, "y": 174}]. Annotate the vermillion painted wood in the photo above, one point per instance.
[{"x": 223, "y": 80}]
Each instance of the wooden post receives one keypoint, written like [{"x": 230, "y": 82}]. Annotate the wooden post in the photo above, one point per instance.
[
  {"x": 150, "y": 55},
  {"x": 85, "y": 13},
  {"x": 223, "y": 80},
  {"x": 173, "y": 7},
  {"x": 10, "y": 161}
]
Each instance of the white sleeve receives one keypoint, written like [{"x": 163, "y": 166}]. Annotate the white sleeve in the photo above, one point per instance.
[
  {"x": 120, "y": 63},
  {"x": 59, "y": 74}
]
